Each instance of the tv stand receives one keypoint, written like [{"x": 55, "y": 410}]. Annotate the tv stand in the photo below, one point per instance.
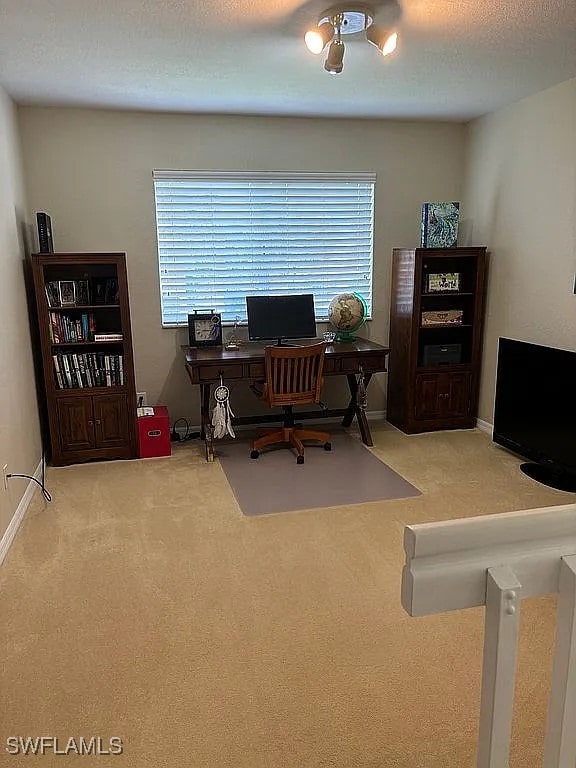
[{"x": 550, "y": 475}]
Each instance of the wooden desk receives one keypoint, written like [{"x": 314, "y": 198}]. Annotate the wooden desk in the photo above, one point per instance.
[{"x": 206, "y": 365}]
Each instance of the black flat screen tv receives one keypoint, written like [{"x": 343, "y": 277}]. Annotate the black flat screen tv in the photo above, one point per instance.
[
  {"x": 535, "y": 410},
  {"x": 281, "y": 317}
]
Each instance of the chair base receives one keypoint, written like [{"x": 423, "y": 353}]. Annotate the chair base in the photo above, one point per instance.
[{"x": 292, "y": 437}]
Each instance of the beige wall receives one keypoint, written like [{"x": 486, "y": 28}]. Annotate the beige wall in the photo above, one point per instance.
[
  {"x": 19, "y": 428},
  {"x": 520, "y": 200},
  {"x": 92, "y": 171}
]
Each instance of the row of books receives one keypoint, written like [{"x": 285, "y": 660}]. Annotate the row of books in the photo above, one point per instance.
[
  {"x": 64, "y": 328},
  {"x": 88, "y": 369}
]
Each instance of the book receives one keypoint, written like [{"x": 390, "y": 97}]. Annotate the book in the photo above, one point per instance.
[
  {"x": 76, "y": 369},
  {"x": 45, "y": 242},
  {"x": 108, "y": 337},
  {"x": 59, "y": 379},
  {"x": 439, "y": 225},
  {"x": 67, "y": 374},
  {"x": 107, "y": 370}
]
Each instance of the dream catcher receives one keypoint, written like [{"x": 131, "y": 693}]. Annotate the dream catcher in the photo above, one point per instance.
[{"x": 222, "y": 413}]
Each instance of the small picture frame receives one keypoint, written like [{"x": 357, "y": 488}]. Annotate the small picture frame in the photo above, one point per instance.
[
  {"x": 205, "y": 329},
  {"x": 98, "y": 290},
  {"x": 83, "y": 292},
  {"x": 111, "y": 295},
  {"x": 443, "y": 282},
  {"x": 52, "y": 293},
  {"x": 67, "y": 293}
]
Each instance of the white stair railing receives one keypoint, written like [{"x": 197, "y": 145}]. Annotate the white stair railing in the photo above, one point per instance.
[{"x": 497, "y": 560}]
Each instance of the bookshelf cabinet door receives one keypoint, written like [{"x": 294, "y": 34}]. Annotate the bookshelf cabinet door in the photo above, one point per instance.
[
  {"x": 110, "y": 420},
  {"x": 76, "y": 423},
  {"x": 442, "y": 396}
]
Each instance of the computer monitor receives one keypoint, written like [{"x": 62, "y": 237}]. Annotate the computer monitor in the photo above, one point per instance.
[{"x": 281, "y": 317}]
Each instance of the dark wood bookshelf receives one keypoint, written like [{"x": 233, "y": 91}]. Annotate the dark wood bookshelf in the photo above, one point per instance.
[
  {"x": 91, "y": 421},
  {"x": 425, "y": 396}
]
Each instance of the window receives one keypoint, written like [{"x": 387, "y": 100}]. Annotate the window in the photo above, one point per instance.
[{"x": 222, "y": 236}]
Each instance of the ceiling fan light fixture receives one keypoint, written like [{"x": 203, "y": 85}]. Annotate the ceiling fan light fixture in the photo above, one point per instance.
[
  {"x": 335, "y": 60},
  {"x": 385, "y": 40},
  {"x": 318, "y": 38}
]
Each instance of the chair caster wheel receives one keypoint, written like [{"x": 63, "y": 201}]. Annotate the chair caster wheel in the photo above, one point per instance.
[
  {"x": 327, "y": 446},
  {"x": 254, "y": 454},
  {"x": 300, "y": 460}
]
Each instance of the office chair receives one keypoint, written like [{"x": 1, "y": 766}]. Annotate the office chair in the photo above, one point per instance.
[{"x": 293, "y": 377}]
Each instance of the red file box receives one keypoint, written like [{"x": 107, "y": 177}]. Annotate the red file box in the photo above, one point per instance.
[{"x": 154, "y": 433}]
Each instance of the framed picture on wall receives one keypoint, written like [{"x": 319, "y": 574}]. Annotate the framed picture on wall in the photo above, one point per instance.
[{"x": 205, "y": 329}]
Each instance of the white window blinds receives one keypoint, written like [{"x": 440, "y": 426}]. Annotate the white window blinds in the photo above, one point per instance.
[{"x": 222, "y": 236}]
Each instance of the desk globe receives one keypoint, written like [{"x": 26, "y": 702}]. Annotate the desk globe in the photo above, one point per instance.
[{"x": 347, "y": 312}]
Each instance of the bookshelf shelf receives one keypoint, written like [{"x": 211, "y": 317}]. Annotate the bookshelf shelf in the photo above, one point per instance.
[
  {"x": 446, "y": 294},
  {"x": 89, "y": 385},
  {"x": 444, "y": 326},
  {"x": 76, "y": 307},
  {"x": 85, "y": 343},
  {"x": 83, "y": 391}
]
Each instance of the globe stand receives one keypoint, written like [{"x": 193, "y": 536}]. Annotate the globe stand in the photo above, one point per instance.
[{"x": 345, "y": 337}]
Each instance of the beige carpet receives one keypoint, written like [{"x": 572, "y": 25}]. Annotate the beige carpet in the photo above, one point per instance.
[{"x": 143, "y": 604}]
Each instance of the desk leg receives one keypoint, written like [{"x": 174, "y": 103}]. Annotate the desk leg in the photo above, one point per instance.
[
  {"x": 355, "y": 410},
  {"x": 205, "y": 423}
]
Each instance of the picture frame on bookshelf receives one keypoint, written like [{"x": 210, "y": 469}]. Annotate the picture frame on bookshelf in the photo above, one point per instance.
[
  {"x": 67, "y": 293},
  {"x": 99, "y": 290},
  {"x": 439, "y": 225},
  {"x": 111, "y": 291},
  {"x": 205, "y": 329},
  {"x": 442, "y": 282},
  {"x": 52, "y": 291},
  {"x": 83, "y": 292}
]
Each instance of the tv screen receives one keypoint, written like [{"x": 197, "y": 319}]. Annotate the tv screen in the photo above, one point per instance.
[
  {"x": 281, "y": 317},
  {"x": 535, "y": 409}
]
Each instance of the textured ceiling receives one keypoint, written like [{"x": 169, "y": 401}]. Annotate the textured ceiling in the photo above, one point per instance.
[{"x": 456, "y": 59}]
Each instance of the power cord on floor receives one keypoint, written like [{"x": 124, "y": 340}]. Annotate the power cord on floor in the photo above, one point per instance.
[
  {"x": 45, "y": 491},
  {"x": 176, "y": 437}
]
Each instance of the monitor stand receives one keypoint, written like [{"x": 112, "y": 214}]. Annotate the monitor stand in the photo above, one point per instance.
[{"x": 548, "y": 474}]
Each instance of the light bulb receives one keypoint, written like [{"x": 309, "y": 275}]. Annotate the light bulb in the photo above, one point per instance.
[
  {"x": 383, "y": 39},
  {"x": 335, "y": 60},
  {"x": 316, "y": 39},
  {"x": 390, "y": 44}
]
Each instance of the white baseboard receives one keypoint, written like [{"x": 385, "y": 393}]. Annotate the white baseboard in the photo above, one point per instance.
[
  {"x": 18, "y": 516},
  {"x": 485, "y": 426}
]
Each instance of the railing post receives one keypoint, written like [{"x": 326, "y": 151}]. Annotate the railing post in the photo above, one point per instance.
[
  {"x": 499, "y": 667},
  {"x": 560, "y": 745}
]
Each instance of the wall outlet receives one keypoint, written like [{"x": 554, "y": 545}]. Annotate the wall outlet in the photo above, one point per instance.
[
  {"x": 144, "y": 400},
  {"x": 5, "y": 476}
]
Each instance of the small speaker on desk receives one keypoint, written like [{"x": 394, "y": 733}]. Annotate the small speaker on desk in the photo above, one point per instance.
[{"x": 45, "y": 242}]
